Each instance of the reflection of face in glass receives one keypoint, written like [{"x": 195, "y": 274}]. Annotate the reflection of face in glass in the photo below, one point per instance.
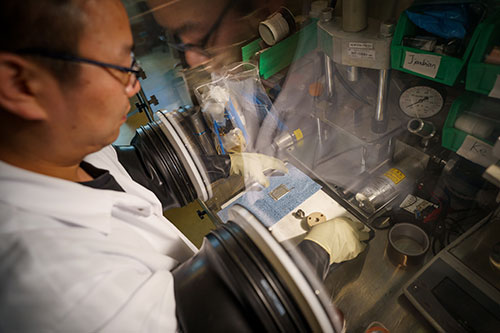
[
  {"x": 201, "y": 47},
  {"x": 210, "y": 31}
]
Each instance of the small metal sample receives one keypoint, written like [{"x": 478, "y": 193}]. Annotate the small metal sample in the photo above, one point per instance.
[
  {"x": 299, "y": 214},
  {"x": 279, "y": 192}
]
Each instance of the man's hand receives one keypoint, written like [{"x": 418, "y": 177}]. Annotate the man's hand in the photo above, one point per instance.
[
  {"x": 252, "y": 166},
  {"x": 341, "y": 237}
]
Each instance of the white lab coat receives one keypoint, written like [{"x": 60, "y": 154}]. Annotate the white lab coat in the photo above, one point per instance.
[{"x": 78, "y": 259}]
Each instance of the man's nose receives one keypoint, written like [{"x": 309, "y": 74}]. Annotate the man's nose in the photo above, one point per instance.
[{"x": 134, "y": 89}]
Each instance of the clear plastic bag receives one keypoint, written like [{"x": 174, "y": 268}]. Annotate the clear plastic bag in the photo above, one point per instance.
[{"x": 238, "y": 109}]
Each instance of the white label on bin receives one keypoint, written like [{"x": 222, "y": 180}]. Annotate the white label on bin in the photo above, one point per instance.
[
  {"x": 495, "y": 91},
  {"x": 361, "y": 53},
  {"x": 425, "y": 64},
  {"x": 360, "y": 45},
  {"x": 477, "y": 151}
]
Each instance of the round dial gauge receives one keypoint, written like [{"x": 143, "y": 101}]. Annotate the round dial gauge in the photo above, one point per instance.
[{"x": 421, "y": 101}]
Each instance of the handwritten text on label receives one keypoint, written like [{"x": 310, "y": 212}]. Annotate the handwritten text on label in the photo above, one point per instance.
[
  {"x": 477, "y": 151},
  {"x": 425, "y": 64}
]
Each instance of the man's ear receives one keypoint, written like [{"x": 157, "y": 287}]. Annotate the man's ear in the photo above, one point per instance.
[{"x": 21, "y": 83}]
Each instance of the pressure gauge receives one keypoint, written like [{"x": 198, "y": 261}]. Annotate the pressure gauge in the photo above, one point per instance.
[{"x": 421, "y": 101}]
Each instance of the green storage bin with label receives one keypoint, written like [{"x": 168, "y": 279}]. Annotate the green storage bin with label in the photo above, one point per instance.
[
  {"x": 430, "y": 65},
  {"x": 473, "y": 115},
  {"x": 481, "y": 77}
]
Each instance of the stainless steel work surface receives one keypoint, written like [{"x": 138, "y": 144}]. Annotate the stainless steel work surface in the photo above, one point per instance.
[
  {"x": 474, "y": 252},
  {"x": 369, "y": 289}
]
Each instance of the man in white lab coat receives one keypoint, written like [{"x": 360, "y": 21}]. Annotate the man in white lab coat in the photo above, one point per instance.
[
  {"x": 83, "y": 247},
  {"x": 74, "y": 257}
]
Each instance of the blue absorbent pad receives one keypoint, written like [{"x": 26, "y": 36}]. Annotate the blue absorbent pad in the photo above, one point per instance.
[{"x": 268, "y": 210}]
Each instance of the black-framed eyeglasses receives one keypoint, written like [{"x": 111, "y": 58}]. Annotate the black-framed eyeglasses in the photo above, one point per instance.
[
  {"x": 134, "y": 70},
  {"x": 202, "y": 45}
]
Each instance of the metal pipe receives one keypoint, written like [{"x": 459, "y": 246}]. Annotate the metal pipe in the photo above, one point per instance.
[
  {"x": 383, "y": 89},
  {"x": 379, "y": 124},
  {"x": 329, "y": 76},
  {"x": 326, "y": 16},
  {"x": 320, "y": 134}
]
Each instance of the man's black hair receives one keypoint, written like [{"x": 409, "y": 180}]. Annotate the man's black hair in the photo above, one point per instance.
[{"x": 53, "y": 25}]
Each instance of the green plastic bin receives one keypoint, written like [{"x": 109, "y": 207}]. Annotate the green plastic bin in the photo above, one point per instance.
[
  {"x": 481, "y": 77},
  {"x": 452, "y": 137},
  {"x": 450, "y": 69},
  {"x": 281, "y": 55}
]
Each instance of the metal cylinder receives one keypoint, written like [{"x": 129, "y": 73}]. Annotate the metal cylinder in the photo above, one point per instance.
[
  {"x": 389, "y": 182},
  {"x": 422, "y": 128},
  {"x": 425, "y": 129},
  {"x": 387, "y": 28},
  {"x": 352, "y": 73},
  {"x": 379, "y": 124},
  {"x": 283, "y": 141},
  {"x": 383, "y": 89},
  {"x": 320, "y": 133},
  {"x": 376, "y": 193},
  {"x": 354, "y": 15},
  {"x": 329, "y": 76},
  {"x": 407, "y": 244}
]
